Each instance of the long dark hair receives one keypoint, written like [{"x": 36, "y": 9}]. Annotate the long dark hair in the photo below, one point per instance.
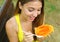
[{"x": 38, "y": 20}]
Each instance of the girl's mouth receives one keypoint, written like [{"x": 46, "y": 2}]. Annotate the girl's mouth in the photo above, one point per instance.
[{"x": 32, "y": 18}]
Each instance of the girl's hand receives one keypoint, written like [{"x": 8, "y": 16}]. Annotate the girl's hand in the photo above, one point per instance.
[{"x": 28, "y": 36}]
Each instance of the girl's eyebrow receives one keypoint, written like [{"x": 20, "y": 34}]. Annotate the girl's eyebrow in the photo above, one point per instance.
[{"x": 32, "y": 8}]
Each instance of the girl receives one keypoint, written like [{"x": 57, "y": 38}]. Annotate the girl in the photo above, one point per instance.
[{"x": 28, "y": 15}]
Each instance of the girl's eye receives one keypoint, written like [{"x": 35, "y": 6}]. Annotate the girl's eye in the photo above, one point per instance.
[
  {"x": 39, "y": 10},
  {"x": 30, "y": 10}
]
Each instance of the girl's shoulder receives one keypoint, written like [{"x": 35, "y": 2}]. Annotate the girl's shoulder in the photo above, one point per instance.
[
  {"x": 11, "y": 21},
  {"x": 11, "y": 24}
]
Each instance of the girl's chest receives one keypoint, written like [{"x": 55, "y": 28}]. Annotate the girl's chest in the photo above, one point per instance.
[{"x": 27, "y": 27}]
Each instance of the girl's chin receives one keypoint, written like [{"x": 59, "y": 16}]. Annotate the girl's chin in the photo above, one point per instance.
[{"x": 31, "y": 20}]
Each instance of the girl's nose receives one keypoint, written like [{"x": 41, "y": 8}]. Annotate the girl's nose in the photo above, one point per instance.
[{"x": 35, "y": 14}]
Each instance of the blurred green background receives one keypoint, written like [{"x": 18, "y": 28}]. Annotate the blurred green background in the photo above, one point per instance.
[{"x": 52, "y": 16}]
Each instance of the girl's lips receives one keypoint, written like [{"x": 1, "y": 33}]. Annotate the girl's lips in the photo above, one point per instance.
[{"x": 32, "y": 18}]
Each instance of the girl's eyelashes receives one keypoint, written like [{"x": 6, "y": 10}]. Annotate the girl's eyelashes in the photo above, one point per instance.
[
  {"x": 33, "y": 10},
  {"x": 30, "y": 10},
  {"x": 39, "y": 10}
]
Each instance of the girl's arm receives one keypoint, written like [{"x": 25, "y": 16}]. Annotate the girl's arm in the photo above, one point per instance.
[{"x": 11, "y": 32}]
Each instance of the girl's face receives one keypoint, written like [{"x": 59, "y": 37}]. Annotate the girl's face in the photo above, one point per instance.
[{"x": 31, "y": 10}]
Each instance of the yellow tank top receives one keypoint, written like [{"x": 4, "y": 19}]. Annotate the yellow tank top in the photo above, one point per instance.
[{"x": 20, "y": 31}]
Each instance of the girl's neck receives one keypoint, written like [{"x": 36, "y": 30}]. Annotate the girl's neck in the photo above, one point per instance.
[{"x": 26, "y": 25}]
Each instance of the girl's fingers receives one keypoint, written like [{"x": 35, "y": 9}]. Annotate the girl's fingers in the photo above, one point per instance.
[
  {"x": 29, "y": 37},
  {"x": 28, "y": 33}
]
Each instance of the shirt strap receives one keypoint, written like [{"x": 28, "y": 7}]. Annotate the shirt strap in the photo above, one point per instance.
[{"x": 20, "y": 31}]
